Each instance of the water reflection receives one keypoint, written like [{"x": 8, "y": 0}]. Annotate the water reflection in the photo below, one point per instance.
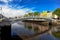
[
  {"x": 35, "y": 27},
  {"x": 28, "y": 29}
]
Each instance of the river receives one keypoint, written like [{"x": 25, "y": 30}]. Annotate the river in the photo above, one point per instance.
[{"x": 31, "y": 30}]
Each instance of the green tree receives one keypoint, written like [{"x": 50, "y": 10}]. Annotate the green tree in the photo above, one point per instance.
[
  {"x": 30, "y": 13},
  {"x": 26, "y": 15},
  {"x": 36, "y": 13},
  {"x": 57, "y": 12}
]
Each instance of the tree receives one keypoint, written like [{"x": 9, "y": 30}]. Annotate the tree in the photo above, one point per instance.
[
  {"x": 36, "y": 13},
  {"x": 30, "y": 13},
  {"x": 57, "y": 12},
  {"x": 26, "y": 15}
]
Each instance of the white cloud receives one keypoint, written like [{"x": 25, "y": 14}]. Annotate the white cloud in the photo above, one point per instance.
[
  {"x": 9, "y": 0},
  {"x": 4, "y": 0},
  {"x": 8, "y": 12}
]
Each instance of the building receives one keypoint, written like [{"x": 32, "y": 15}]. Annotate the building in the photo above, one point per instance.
[
  {"x": 46, "y": 14},
  {"x": 49, "y": 14}
]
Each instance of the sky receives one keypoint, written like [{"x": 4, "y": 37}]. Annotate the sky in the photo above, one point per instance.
[{"x": 12, "y": 8}]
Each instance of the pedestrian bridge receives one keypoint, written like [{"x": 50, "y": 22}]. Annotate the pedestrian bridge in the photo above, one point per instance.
[{"x": 32, "y": 18}]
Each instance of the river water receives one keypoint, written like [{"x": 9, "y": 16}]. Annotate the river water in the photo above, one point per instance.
[{"x": 31, "y": 30}]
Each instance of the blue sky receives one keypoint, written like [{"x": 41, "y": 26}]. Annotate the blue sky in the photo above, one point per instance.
[{"x": 31, "y": 5}]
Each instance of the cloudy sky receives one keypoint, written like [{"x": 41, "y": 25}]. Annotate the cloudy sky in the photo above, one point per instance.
[{"x": 12, "y": 8}]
